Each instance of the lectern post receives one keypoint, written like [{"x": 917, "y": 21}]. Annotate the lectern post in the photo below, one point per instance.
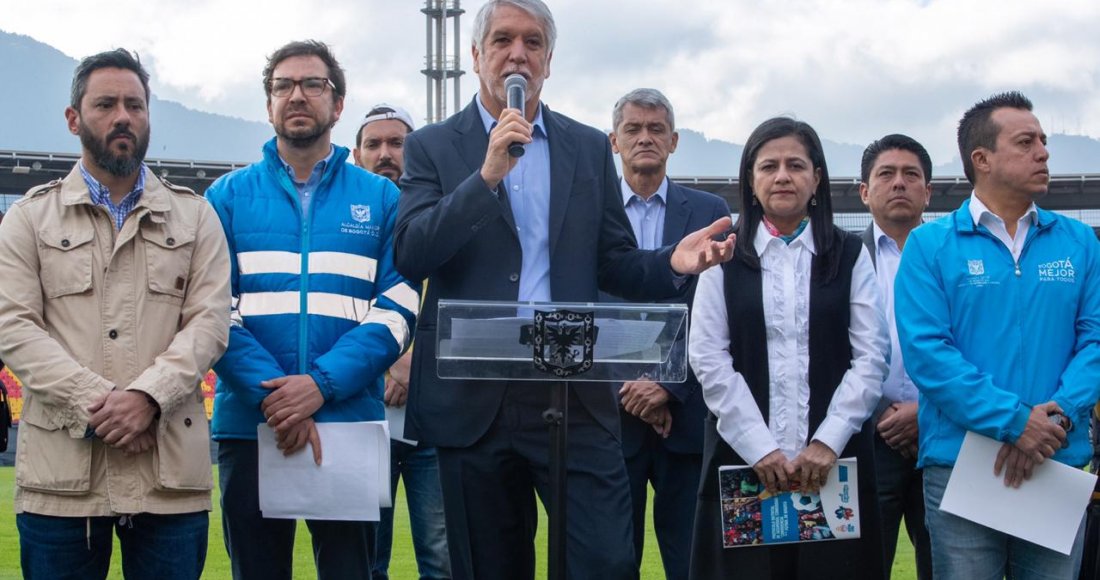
[
  {"x": 560, "y": 343},
  {"x": 557, "y": 420}
]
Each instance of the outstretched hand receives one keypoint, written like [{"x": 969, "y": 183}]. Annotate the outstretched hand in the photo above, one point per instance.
[{"x": 704, "y": 248}]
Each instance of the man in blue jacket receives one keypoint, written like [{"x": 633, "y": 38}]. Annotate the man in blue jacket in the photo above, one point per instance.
[
  {"x": 319, "y": 311},
  {"x": 998, "y": 313}
]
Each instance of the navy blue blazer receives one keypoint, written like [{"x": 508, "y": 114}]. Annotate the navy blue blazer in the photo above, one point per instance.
[
  {"x": 686, "y": 210},
  {"x": 459, "y": 235}
]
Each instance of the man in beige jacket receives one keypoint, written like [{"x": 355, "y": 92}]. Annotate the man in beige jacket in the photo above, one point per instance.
[{"x": 114, "y": 302}]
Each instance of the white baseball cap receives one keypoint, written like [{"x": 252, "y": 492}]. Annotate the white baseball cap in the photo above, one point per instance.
[{"x": 382, "y": 112}]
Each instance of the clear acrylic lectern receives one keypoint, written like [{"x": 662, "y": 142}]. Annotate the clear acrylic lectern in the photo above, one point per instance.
[{"x": 558, "y": 343}]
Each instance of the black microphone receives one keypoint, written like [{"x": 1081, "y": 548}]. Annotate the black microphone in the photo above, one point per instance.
[{"x": 515, "y": 86}]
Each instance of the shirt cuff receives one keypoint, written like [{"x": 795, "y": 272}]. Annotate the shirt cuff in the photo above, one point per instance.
[
  {"x": 834, "y": 434},
  {"x": 754, "y": 444}
]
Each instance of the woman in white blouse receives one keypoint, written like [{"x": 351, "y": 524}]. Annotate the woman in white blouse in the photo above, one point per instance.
[{"x": 789, "y": 342}]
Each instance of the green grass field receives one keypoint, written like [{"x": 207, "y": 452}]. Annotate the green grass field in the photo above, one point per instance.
[{"x": 402, "y": 566}]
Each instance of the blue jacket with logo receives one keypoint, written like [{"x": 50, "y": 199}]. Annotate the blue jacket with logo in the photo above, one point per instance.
[
  {"x": 343, "y": 322},
  {"x": 985, "y": 338}
]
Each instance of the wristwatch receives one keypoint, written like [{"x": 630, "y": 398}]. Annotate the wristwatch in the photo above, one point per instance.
[
  {"x": 1064, "y": 422},
  {"x": 1061, "y": 420}
]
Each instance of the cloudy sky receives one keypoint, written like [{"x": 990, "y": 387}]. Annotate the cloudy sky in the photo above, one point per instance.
[{"x": 855, "y": 69}]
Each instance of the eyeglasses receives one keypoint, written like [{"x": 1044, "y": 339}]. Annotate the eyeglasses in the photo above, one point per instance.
[{"x": 311, "y": 86}]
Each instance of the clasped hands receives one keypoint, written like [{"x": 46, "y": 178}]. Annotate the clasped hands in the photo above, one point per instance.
[
  {"x": 648, "y": 401},
  {"x": 1039, "y": 441},
  {"x": 810, "y": 468},
  {"x": 289, "y": 412},
  {"x": 898, "y": 428},
  {"x": 125, "y": 420}
]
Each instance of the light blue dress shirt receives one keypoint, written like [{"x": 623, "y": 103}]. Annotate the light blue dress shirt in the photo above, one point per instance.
[
  {"x": 307, "y": 188},
  {"x": 647, "y": 217},
  {"x": 528, "y": 189}
]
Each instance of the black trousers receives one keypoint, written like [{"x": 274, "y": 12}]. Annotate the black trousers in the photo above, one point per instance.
[
  {"x": 489, "y": 494},
  {"x": 262, "y": 548},
  {"x": 901, "y": 495}
]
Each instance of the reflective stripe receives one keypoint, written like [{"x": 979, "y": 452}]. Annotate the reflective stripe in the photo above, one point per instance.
[
  {"x": 405, "y": 297},
  {"x": 338, "y": 306},
  {"x": 343, "y": 264},
  {"x": 269, "y": 263},
  {"x": 268, "y": 303},
  {"x": 393, "y": 321},
  {"x": 339, "y": 263},
  {"x": 320, "y": 303}
]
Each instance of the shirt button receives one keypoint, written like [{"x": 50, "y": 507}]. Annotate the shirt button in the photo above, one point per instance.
[
  {"x": 64, "y": 243},
  {"x": 113, "y": 334},
  {"x": 170, "y": 241},
  {"x": 514, "y": 277},
  {"x": 187, "y": 422},
  {"x": 515, "y": 188}
]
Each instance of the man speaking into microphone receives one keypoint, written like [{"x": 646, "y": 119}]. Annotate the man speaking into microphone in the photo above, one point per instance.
[{"x": 481, "y": 223}]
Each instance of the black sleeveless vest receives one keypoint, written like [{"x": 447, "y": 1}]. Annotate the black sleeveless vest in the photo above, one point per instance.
[
  {"x": 830, "y": 347},
  {"x": 830, "y": 357}
]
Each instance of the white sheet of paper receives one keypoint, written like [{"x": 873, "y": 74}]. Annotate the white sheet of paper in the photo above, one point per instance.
[
  {"x": 1044, "y": 510},
  {"x": 395, "y": 416},
  {"x": 350, "y": 484}
]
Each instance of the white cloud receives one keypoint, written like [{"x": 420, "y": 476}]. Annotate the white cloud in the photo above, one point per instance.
[{"x": 855, "y": 69}]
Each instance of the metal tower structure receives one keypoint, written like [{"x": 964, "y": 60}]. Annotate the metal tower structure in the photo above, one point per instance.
[{"x": 440, "y": 66}]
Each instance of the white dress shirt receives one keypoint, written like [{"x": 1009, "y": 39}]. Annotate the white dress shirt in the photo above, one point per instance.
[
  {"x": 996, "y": 225},
  {"x": 785, "y": 273},
  {"x": 898, "y": 387}
]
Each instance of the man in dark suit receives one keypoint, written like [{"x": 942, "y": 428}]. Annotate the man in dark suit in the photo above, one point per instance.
[
  {"x": 549, "y": 225},
  {"x": 896, "y": 187},
  {"x": 662, "y": 423}
]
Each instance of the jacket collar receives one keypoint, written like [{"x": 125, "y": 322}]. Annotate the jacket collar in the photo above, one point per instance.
[
  {"x": 74, "y": 191},
  {"x": 339, "y": 157},
  {"x": 964, "y": 221}
]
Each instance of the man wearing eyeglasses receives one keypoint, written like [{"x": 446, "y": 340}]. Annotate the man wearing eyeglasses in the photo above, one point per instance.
[{"x": 319, "y": 312}]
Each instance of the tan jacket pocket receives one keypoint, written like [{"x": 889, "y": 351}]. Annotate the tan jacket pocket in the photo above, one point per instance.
[
  {"x": 48, "y": 460},
  {"x": 168, "y": 258},
  {"x": 182, "y": 458},
  {"x": 66, "y": 262}
]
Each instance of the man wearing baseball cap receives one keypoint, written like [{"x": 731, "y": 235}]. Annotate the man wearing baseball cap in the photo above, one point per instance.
[
  {"x": 379, "y": 149},
  {"x": 380, "y": 140}
]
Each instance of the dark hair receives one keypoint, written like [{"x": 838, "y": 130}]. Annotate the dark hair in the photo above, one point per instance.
[
  {"x": 307, "y": 48},
  {"x": 117, "y": 58},
  {"x": 372, "y": 112},
  {"x": 826, "y": 240},
  {"x": 977, "y": 129},
  {"x": 888, "y": 143}
]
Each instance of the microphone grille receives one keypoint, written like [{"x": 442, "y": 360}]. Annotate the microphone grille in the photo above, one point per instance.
[{"x": 515, "y": 80}]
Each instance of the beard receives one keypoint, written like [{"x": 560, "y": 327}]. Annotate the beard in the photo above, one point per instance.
[
  {"x": 305, "y": 137},
  {"x": 387, "y": 166},
  {"x": 122, "y": 165}
]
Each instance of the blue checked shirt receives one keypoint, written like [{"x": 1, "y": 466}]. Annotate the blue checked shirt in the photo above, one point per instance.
[{"x": 101, "y": 195}]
